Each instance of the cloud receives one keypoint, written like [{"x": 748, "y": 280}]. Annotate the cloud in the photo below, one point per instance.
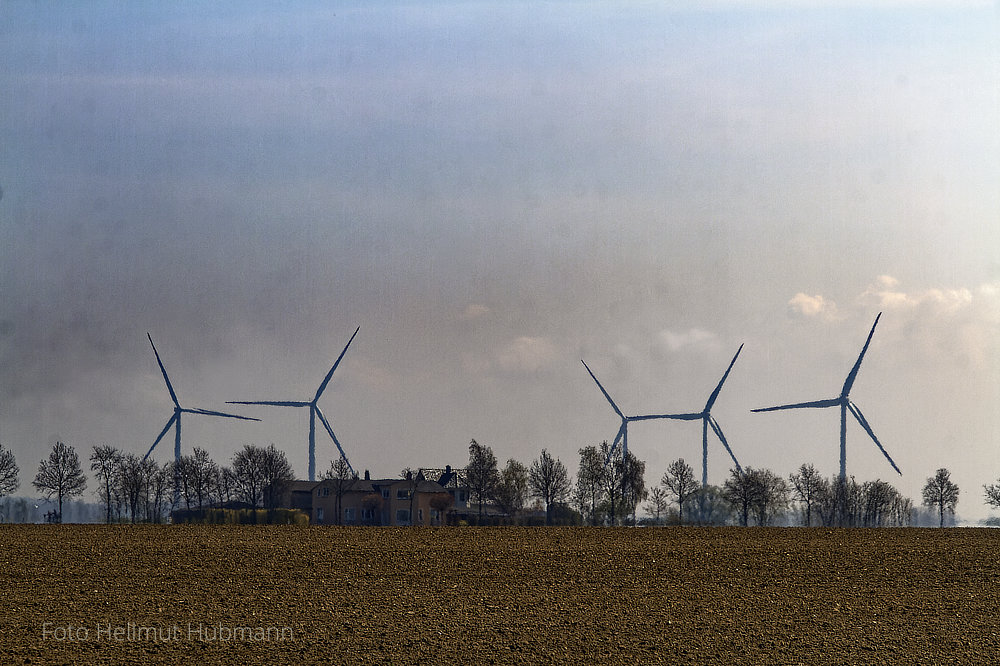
[
  {"x": 693, "y": 337},
  {"x": 804, "y": 305},
  {"x": 955, "y": 323},
  {"x": 527, "y": 354},
  {"x": 884, "y": 293},
  {"x": 474, "y": 311}
]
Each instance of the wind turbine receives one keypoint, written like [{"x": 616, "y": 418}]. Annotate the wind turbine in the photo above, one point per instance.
[
  {"x": 622, "y": 435},
  {"x": 314, "y": 413},
  {"x": 846, "y": 405},
  {"x": 707, "y": 420},
  {"x": 175, "y": 420}
]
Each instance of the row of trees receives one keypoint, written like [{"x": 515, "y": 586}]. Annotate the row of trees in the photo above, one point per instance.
[
  {"x": 608, "y": 485},
  {"x": 607, "y": 489},
  {"x": 133, "y": 489},
  {"x": 760, "y": 497}
]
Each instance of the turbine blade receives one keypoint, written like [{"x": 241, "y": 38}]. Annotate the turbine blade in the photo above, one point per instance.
[
  {"x": 614, "y": 444},
  {"x": 173, "y": 396},
  {"x": 160, "y": 436},
  {"x": 326, "y": 380},
  {"x": 849, "y": 382},
  {"x": 715, "y": 394},
  {"x": 613, "y": 405},
  {"x": 675, "y": 417},
  {"x": 871, "y": 433},
  {"x": 208, "y": 412},
  {"x": 326, "y": 424},
  {"x": 832, "y": 402},
  {"x": 722, "y": 438},
  {"x": 273, "y": 403}
]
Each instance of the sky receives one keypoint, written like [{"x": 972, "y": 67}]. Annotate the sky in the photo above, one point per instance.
[{"x": 494, "y": 192}]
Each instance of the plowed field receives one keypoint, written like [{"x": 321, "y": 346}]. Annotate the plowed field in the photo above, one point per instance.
[{"x": 218, "y": 594}]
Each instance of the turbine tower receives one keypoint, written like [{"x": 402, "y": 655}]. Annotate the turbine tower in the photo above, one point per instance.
[
  {"x": 314, "y": 413},
  {"x": 175, "y": 420},
  {"x": 622, "y": 435},
  {"x": 846, "y": 405},
  {"x": 707, "y": 420}
]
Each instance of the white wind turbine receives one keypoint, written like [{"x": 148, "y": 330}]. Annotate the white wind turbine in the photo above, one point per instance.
[
  {"x": 622, "y": 435},
  {"x": 708, "y": 421},
  {"x": 314, "y": 413},
  {"x": 846, "y": 405}
]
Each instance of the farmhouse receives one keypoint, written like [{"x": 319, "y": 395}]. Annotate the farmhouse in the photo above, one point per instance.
[{"x": 414, "y": 500}]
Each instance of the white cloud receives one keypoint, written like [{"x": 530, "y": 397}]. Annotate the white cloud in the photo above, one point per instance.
[
  {"x": 955, "y": 324},
  {"x": 693, "y": 337},
  {"x": 474, "y": 311},
  {"x": 804, "y": 305},
  {"x": 884, "y": 293},
  {"x": 527, "y": 354}
]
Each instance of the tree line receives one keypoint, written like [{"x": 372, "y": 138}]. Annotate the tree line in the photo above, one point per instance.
[
  {"x": 609, "y": 487},
  {"x": 133, "y": 489},
  {"x": 607, "y": 490}
]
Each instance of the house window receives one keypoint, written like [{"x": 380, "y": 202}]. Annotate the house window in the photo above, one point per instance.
[
  {"x": 402, "y": 516},
  {"x": 323, "y": 492},
  {"x": 349, "y": 515},
  {"x": 459, "y": 496},
  {"x": 402, "y": 493},
  {"x": 319, "y": 515},
  {"x": 368, "y": 515},
  {"x": 420, "y": 516},
  {"x": 385, "y": 493}
]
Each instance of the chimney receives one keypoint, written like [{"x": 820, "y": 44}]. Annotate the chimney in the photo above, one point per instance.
[{"x": 368, "y": 476}]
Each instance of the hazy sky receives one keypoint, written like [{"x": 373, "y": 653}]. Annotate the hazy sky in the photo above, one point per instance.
[{"x": 492, "y": 192}]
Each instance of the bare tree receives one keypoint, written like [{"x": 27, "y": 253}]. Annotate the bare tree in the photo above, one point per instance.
[
  {"x": 159, "y": 492},
  {"x": 135, "y": 474},
  {"x": 623, "y": 482},
  {"x": 740, "y": 490},
  {"x": 658, "y": 503},
  {"x": 549, "y": 481},
  {"x": 680, "y": 483},
  {"x": 248, "y": 474},
  {"x": 60, "y": 475},
  {"x": 808, "y": 487},
  {"x": 342, "y": 477},
  {"x": 992, "y": 493},
  {"x": 260, "y": 475},
  {"x": 105, "y": 462},
  {"x": 772, "y": 496},
  {"x": 8, "y": 472},
  {"x": 633, "y": 484},
  {"x": 590, "y": 482},
  {"x": 511, "y": 489},
  {"x": 941, "y": 492},
  {"x": 201, "y": 473},
  {"x": 441, "y": 502},
  {"x": 841, "y": 504},
  {"x": 712, "y": 507},
  {"x": 481, "y": 474},
  {"x": 225, "y": 485}
]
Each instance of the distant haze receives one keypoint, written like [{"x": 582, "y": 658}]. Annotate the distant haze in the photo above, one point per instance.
[{"x": 492, "y": 192}]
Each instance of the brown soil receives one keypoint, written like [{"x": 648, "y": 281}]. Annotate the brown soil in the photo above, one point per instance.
[{"x": 109, "y": 594}]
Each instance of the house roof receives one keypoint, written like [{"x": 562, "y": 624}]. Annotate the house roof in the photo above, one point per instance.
[{"x": 369, "y": 486}]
